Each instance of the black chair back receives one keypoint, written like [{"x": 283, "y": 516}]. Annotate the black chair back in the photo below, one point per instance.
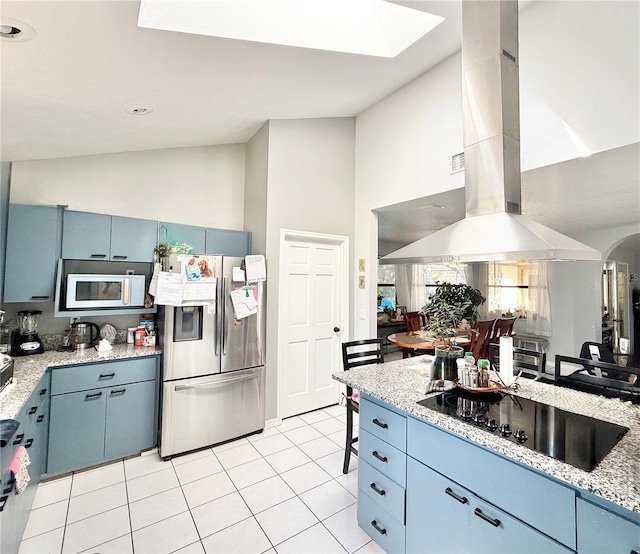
[
  {"x": 362, "y": 352},
  {"x": 603, "y": 353}
]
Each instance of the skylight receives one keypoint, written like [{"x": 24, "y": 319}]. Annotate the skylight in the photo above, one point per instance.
[{"x": 368, "y": 27}]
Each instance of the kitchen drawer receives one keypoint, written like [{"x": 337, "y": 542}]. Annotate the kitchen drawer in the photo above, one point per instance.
[
  {"x": 383, "y": 423},
  {"x": 600, "y": 530},
  {"x": 386, "y": 494},
  {"x": 91, "y": 376},
  {"x": 380, "y": 525},
  {"x": 382, "y": 456},
  {"x": 453, "y": 456}
]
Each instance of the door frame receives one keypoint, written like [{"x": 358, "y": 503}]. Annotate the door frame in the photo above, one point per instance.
[{"x": 342, "y": 241}]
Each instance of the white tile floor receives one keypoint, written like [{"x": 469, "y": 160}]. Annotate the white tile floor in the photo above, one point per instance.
[{"x": 281, "y": 491}]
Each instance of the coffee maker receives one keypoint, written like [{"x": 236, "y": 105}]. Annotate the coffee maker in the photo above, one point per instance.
[{"x": 27, "y": 341}]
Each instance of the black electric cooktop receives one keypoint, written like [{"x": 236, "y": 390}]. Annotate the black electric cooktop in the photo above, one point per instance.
[{"x": 572, "y": 438}]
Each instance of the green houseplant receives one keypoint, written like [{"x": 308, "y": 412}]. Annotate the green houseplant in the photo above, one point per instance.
[{"x": 446, "y": 310}]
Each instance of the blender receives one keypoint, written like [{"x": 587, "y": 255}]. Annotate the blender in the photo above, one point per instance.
[{"x": 27, "y": 341}]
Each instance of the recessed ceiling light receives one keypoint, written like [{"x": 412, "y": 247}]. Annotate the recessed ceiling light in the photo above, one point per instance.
[
  {"x": 16, "y": 31},
  {"x": 139, "y": 110}
]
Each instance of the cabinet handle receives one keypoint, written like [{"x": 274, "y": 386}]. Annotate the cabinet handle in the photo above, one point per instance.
[
  {"x": 33, "y": 410},
  {"x": 634, "y": 552},
  {"x": 107, "y": 376},
  {"x": 9, "y": 486},
  {"x": 380, "y": 530},
  {"x": 98, "y": 256},
  {"x": 461, "y": 499},
  {"x": 482, "y": 515},
  {"x": 3, "y": 501},
  {"x": 383, "y": 459},
  {"x": 119, "y": 257},
  {"x": 118, "y": 392},
  {"x": 29, "y": 443},
  {"x": 40, "y": 419},
  {"x": 43, "y": 392},
  {"x": 41, "y": 297},
  {"x": 18, "y": 439},
  {"x": 93, "y": 396},
  {"x": 379, "y": 491},
  {"x": 383, "y": 425}
]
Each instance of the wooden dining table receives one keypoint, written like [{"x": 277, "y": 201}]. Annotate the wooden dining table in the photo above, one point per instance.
[{"x": 412, "y": 340}]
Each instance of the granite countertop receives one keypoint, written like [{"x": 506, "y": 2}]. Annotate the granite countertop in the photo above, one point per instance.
[
  {"x": 614, "y": 479},
  {"x": 28, "y": 370}
]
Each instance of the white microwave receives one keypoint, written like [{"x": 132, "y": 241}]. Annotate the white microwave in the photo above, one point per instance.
[{"x": 105, "y": 291}]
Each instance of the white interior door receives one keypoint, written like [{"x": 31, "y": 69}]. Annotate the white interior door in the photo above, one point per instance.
[{"x": 312, "y": 303}]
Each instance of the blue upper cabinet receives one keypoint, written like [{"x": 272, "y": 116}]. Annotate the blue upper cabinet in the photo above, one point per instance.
[
  {"x": 175, "y": 233},
  {"x": 33, "y": 247},
  {"x": 89, "y": 236},
  {"x": 227, "y": 242}
]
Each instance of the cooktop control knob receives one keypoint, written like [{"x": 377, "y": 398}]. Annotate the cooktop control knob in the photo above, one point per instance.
[
  {"x": 466, "y": 415},
  {"x": 478, "y": 418},
  {"x": 505, "y": 429},
  {"x": 520, "y": 435},
  {"x": 492, "y": 424}
]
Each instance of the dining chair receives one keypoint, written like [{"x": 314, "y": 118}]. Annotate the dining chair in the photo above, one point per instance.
[
  {"x": 530, "y": 363},
  {"x": 354, "y": 354},
  {"x": 480, "y": 334},
  {"x": 502, "y": 327},
  {"x": 412, "y": 321}
]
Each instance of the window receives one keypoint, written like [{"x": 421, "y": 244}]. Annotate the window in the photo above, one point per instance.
[
  {"x": 455, "y": 274},
  {"x": 386, "y": 287},
  {"x": 508, "y": 289}
]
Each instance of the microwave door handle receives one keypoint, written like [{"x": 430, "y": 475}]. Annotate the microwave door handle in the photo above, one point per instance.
[{"x": 125, "y": 296}]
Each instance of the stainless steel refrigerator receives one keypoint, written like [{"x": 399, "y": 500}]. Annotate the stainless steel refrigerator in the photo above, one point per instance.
[{"x": 213, "y": 366}]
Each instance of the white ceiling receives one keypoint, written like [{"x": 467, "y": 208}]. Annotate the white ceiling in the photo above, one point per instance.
[{"x": 66, "y": 92}]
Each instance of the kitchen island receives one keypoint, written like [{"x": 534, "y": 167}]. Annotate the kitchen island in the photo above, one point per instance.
[{"x": 552, "y": 505}]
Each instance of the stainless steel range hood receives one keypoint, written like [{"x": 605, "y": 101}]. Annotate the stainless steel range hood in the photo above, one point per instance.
[{"x": 493, "y": 228}]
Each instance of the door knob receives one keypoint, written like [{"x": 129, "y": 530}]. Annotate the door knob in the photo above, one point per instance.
[{"x": 336, "y": 329}]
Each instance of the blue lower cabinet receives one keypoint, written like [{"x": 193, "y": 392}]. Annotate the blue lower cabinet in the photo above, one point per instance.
[
  {"x": 130, "y": 422},
  {"x": 76, "y": 432},
  {"x": 380, "y": 525},
  {"x": 600, "y": 530}
]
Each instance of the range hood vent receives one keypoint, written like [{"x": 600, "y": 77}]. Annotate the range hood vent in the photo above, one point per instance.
[{"x": 493, "y": 228}]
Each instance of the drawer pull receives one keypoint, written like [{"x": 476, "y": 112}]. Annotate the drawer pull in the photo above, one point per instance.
[
  {"x": 33, "y": 410},
  {"x": 482, "y": 515},
  {"x": 40, "y": 297},
  {"x": 461, "y": 499},
  {"x": 18, "y": 439},
  {"x": 383, "y": 425},
  {"x": 40, "y": 419},
  {"x": 3, "y": 501},
  {"x": 29, "y": 443},
  {"x": 379, "y": 491},
  {"x": 98, "y": 255},
  {"x": 383, "y": 459},
  {"x": 43, "y": 391},
  {"x": 93, "y": 396},
  {"x": 634, "y": 552},
  {"x": 107, "y": 376},
  {"x": 380, "y": 530},
  {"x": 118, "y": 392},
  {"x": 116, "y": 257}
]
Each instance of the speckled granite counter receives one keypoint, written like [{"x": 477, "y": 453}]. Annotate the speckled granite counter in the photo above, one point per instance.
[
  {"x": 28, "y": 370},
  {"x": 615, "y": 478}
]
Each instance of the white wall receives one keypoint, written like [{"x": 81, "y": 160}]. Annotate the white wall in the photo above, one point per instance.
[
  {"x": 196, "y": 186},
  {"x": 310, "y": 188},
  {"x": 255, "y": 188}
]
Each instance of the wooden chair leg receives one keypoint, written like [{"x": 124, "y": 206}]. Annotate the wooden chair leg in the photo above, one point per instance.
[{"x": 349, "y": 439}]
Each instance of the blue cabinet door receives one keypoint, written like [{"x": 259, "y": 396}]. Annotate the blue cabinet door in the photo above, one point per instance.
[
  {"x": 227, "y": 242},
  {"x": 76, "y": 432},
  {"x": 33, "y": 247},
  {"x": 86, "y": 236},
  {"x": 133, "y": 240},
  {"x": 131, "y": 424},
  {"x": 174, "y": 233},
  {"x": 600, "y": 530}
]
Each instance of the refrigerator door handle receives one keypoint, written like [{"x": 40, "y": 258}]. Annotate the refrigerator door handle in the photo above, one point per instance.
[
  {"x": 224, "y": 315},
  {"x": 216, "y": 383},
  {"x": 216, "y": 320}
]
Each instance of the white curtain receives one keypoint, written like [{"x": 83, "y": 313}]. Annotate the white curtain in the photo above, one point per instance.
[
  {"x": 539, "y": 312},
  {"x": 418, "y": 289},
  {"x": 403, "y": 286},
  {"x": 482, "y": 284}
]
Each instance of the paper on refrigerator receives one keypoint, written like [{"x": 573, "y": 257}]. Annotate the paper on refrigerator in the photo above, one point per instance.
[
  {"x": 245, "y": 302},
  {"x": 174, "y": 289},
  {"x": 255, "y": 268}
]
